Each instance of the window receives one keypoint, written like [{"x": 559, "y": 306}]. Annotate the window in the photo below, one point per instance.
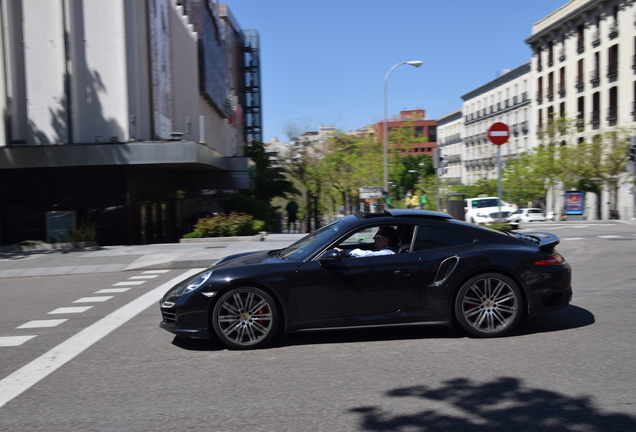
[
  {"x": 429, "y": 238},
  {"x": 612, "y": 65},
  {"x": 580, "y": 41},
  {"x": 562, "y": 80},
  {"x": 419, "y": 131},
  {"x": 58, "y": 224},
  {"x": 612, "y": 111},
  {"x": 580, "y": 116},
  {"x": 596, "y": 108},
  {"x": 539, "y": 89},
  {"x": 432, "y": 133},
  {"x": 550, "y": 92},
  {"x": 580, "y": 77}
]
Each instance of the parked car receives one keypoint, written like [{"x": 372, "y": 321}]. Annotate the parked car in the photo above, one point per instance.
[
  {"x": 525, "y": 215},
  {"x": 486, "y": 210},
  {"x": 443, "y": 272}
]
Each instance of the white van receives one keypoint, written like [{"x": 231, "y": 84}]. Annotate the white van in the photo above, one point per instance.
[{"x": 486, "y": 209}]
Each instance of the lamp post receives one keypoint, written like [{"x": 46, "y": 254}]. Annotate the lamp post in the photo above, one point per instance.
[{"x": 415, "y": 63}]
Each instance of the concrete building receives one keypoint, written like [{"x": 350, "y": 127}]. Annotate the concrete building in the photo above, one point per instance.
[
  {"x": 450, "y": 132},
  {"x": 121, "y": 113},
  {"x": 584, "y": 57},
  {"x": 421, "y": 128},
  {"x": 505, "y": 99}
]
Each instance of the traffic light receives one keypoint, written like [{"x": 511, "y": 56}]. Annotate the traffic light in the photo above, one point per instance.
[{"x": 439, "y": 162}]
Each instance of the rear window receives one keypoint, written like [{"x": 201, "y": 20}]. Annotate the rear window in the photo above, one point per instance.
[{"x": 433, "y": 238}]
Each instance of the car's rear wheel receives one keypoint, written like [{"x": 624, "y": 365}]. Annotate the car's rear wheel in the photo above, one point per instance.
[
  {"x": 245, "y": 318},
  {"x": 488, "y": 305}
]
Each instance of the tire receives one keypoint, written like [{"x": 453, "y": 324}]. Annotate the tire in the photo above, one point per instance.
[
  {"x": 488, "y": 305},
  {"x": 245, "y": 318}
]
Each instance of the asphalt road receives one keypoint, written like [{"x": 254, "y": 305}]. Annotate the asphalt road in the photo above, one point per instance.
[{"x": 569, "y": 370}]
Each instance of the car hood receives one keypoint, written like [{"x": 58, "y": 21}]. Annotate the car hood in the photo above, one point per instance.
[{"x": 246, "y": 258}]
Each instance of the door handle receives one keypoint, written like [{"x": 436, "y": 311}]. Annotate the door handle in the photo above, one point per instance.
[{"x": 405, "y": 272}]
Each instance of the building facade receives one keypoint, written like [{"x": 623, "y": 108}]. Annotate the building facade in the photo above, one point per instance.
[
  {"x": 584, "y": 58},
  {"x": 450, "y": 132},
  {"x": 505, "y": 99},
  {"x": 121, "y": 114},
  {"x": 425, "y": 132}
]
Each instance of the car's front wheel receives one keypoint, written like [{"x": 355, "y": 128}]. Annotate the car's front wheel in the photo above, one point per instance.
[
  {"x": 245, "y": 318},
  {"x": 488, "y": 305}
]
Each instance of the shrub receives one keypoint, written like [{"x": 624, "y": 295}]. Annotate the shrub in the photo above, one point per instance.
[
  {"x": 85, "y": 232},
  {"x": 220, "y": 225}
]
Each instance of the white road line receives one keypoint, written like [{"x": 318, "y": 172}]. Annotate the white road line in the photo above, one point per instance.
[
  {"x": 42, "y": 323},
  {"x": 65, "y": 310},
  {"x": 155, "y": 271},
  {"x": 144, "y": 277},
  {"x": 30, "y": 374},
  {"x": 573, "y": 238},
  {"x": 610, "y": 236},
  {"x": 93, "y": 299},
  {"x": 8, "y": 341},
  {"x": 112, "y": 290},
  {"x": 129, "y": 283}
]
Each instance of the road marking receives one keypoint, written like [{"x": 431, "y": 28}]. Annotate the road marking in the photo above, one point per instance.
[
  {"x": 8, "y": 341},
  {"x": 574, "y": 238},
  {"x": 610, "y": 236},
  {"x": 129, "y": 283},
  {"x": 155, "y": 271},
  {"x": 42, "y": 323},
  {"x": 65, "y": 310},
  {"x": 30, "y": 374},
  {"x": 144, "y": 277},
  {"x": 93, "y": 299},
  {"x": 112, "y": 290}
]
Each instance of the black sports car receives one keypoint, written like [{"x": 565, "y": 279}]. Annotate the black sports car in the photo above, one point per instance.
[{"x": 443, "y": 271}]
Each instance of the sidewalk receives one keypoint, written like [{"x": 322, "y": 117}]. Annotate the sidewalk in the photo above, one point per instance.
[{"x": 102, "y": 259}]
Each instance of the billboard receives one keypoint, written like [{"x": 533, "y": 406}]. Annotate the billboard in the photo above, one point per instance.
[{"x": 574, "y": 203}]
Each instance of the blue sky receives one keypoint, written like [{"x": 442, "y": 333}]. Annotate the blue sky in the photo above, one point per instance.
[{"x": 324, "y": 62}]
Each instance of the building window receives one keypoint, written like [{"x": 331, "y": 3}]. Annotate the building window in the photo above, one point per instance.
[
  {"x": 550, "y": 92},
  {"x": 579, "y": 77},
  {"x": 419, "y": 131},
  {"x": 562, "y": 81},
  {"x": 580, "y": 116},
  {"x": 612, "y": 65},
  {"x": 432, "y": 133},
  {"x": 596, "y": 72},
  {"x": 596, "y": 108},
  {"x": 580, "y": 38},
  {"x": 550, "y": 53},
  {"x": 539, "y": 89},
  {"x": 612, "y": 110}
]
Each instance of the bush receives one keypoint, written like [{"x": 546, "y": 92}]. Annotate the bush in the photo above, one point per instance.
[
  {"x": 220, "y": 225},
  {"x": 499, "y": 226}
]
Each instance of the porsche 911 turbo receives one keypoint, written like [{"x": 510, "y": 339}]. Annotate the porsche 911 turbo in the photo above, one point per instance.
[{"x": 440, "y": 271}]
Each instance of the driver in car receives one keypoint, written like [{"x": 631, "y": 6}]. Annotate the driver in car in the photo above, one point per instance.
[{"x": 384, "y": 240}]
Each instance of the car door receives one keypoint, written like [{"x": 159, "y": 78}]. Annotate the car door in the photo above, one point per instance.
[{"x": 371, "y": 287}]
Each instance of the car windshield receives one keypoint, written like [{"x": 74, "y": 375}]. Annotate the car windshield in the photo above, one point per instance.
[
  {"x": 306, "y": 245},
  {"x": 489, "y": 202}
]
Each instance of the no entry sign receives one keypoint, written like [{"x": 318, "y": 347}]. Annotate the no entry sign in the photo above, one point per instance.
[{"x": 498, "y": 133}]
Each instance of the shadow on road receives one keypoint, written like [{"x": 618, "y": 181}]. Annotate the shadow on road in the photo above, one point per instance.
[
  {"x": 503, "y": 404},
  {"x": 568, "y": 318}
]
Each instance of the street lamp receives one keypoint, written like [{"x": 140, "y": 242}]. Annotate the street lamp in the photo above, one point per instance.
[{"x": 415, "y": 63}]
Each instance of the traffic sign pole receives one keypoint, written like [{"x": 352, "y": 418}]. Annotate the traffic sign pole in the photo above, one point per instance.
[{"x": 498, "y": 134}]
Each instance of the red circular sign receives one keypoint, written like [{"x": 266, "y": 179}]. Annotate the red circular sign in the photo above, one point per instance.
[{"x": 498, "y": 133}]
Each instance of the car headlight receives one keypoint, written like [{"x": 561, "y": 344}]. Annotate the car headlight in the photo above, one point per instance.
[{"x": 203, "y": 277}]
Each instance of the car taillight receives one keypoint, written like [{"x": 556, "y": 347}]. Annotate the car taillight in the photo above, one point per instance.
[{"x": 554, "y": 259}]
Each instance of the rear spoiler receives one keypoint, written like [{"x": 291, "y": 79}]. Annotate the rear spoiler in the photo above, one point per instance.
[{"x": 546, "y": 241}]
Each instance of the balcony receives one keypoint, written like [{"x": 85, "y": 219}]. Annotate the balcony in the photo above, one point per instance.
[
  {"x": 561, "y": 88},
  {"x": 539, "y": 96},
  {"x": 596, "y": 39},
  {"x": 498, "y": 106},
  {"x": 524, "y": 96},
  {"x": 595, "y": 76},
  {"x": 524, "y": 126},
  {"x": 515, "y": 129},
  {"x": 613, "y": 30},
  {"x": 515, "y": 100},
  {"x": 612, "y": 69},
  {"x": 550, "y": 92},
  {"x": 579, "y": 82},
  {"x": 580, "y": 121},
  {"x": 595, "y": 117},
  {"x": 562, "y": 55},
  {"x": 612, "y": 113}
]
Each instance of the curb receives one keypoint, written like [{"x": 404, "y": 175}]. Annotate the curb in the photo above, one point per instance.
[{"x": 257, "y": 237}]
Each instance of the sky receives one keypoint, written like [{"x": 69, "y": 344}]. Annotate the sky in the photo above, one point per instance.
[{"x": 323, "y": 63}]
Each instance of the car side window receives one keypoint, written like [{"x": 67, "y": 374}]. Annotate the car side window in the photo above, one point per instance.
[{"x": 429, "y": 238}]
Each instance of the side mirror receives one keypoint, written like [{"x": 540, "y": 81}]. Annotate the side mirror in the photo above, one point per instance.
[{"x": 329, "y": 257}]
